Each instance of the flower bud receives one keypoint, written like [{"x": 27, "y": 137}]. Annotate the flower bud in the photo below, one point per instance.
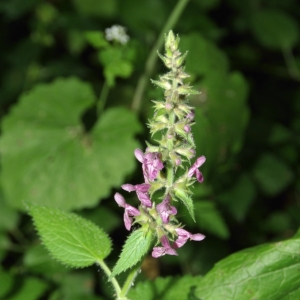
[
  {"x": 182, "y": 128},
  {"x": 176, "y": 161},
  {"x": 188, "y": 152},
  {"x": 186, "y": 90},
  {"x": 163, "y": 84},
  {"x": 156, "y": 126}
]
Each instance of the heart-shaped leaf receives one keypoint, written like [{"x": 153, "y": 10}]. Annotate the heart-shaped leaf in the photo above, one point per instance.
[{"x": 49, "y": 156}]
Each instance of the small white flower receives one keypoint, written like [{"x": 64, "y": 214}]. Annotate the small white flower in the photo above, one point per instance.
[{"x": 117, "y": 33}]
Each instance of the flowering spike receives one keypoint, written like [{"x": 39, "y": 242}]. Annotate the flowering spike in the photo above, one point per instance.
[{"x": 173, "y": 120}]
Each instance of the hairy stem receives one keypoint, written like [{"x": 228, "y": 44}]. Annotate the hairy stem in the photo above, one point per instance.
[
  {"x": 129, "y": 281},
  {"x": 152, "y": 58},
  {"x": 113, "y": 280}
]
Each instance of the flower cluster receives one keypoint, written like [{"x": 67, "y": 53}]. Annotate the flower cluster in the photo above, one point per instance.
[
  {"x": 166, "y": 166},
  {"x": 117, "y": 33}
]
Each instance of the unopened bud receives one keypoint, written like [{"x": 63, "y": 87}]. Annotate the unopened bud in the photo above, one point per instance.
[{"x": 187, "y": 128}]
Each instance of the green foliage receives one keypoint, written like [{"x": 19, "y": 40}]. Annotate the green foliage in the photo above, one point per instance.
[
  {"x": 239, "y": 197},
  {"x": 135, "y": 248},
  {"x": 116, "y": 64},
  {"x": 69, "y": 238},
  {"x": 275, "y": 29},
  {"x": 169, "y": 288},
  {"x": 6, "y": 280},
  {"x": 96, "y": 8},
  {"x": 272, "y": 174},
  {"x": 38, "y": 260},
  {"x": 210, "y": 220},
  {"x": 32, "y": 289},
  {"x": 62, "y": 147},
  {"x": 204, "y": 57},
  {"x": 264, "y": 272},
  {"x": 51, "y": 157}
]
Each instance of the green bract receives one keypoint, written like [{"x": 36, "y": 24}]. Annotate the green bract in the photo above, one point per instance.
[{"x": 136, "y": 247}]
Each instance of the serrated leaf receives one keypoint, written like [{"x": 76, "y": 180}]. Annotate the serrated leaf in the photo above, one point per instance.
[
  {"x": 136, "y": 246},
  {"x": 269, "y": 272},
  {"x": 275, "y": 29},
  {"x": 168, "y": 288},
  {"x": 187, "y": 201},
  {"x": 70, "y": 239},
  {"x": 49, "y": 156}
]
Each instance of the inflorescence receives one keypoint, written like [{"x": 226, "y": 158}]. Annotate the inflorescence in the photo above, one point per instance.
[{"x": 162, "y": 163}]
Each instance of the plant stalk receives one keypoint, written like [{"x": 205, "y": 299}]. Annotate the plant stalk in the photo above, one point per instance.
[
  {"x": 113, "y": 280},
  {"x": 129, "y": 281},
  {"x": 152, "y": 58}
]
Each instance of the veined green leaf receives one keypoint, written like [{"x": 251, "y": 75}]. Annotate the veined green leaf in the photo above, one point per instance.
[
  {"x": 269, "y": 272},
  {"x": 70, "y": 239},
  {"x": 47, "y": 153},
  {"x": 136, "y": 246}
]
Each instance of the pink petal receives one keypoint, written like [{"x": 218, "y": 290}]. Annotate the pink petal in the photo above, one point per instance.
[
  {"x": 131, "y": 211},
  {"x": 200, "y": 161},
  {"x": 199, "y": 176},
  {"x": 197, "y": 237},
  {"x": 144, "y": 187},
  {"x": 128, "y": 187},
  {"x": 120, "y": 199},
  {"x": 127, "y": 221},
  {"x": 182, "y": 232},
  {"x": 139, "y": 155},
  {"x": 158, "y": 251},
  {"x": 144, "y": 198},
  {"x": 171, "y": 251}
]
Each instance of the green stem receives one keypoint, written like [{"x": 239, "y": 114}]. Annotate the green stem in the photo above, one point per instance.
[
  {"x": 102, "y": 98},
  {"x": 113, "y": 280},
  {"x": 152, "y": 58},
  {"x": 129, "y": 281}
]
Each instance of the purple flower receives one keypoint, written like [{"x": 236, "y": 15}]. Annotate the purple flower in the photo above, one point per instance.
[
  {"x": 187, "y": 128},
  {"x": 190, "y": 115},
  {"x": 165, "y": 249},
  {"x": 129, "y": 212},
  {"x": 151, "y": 164},
  {"x": 141, "y": 191},
  {"x": 184, "y": 235},
  {"x": 165, "y": 209},
  {"x": 194, "y": 168}
]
